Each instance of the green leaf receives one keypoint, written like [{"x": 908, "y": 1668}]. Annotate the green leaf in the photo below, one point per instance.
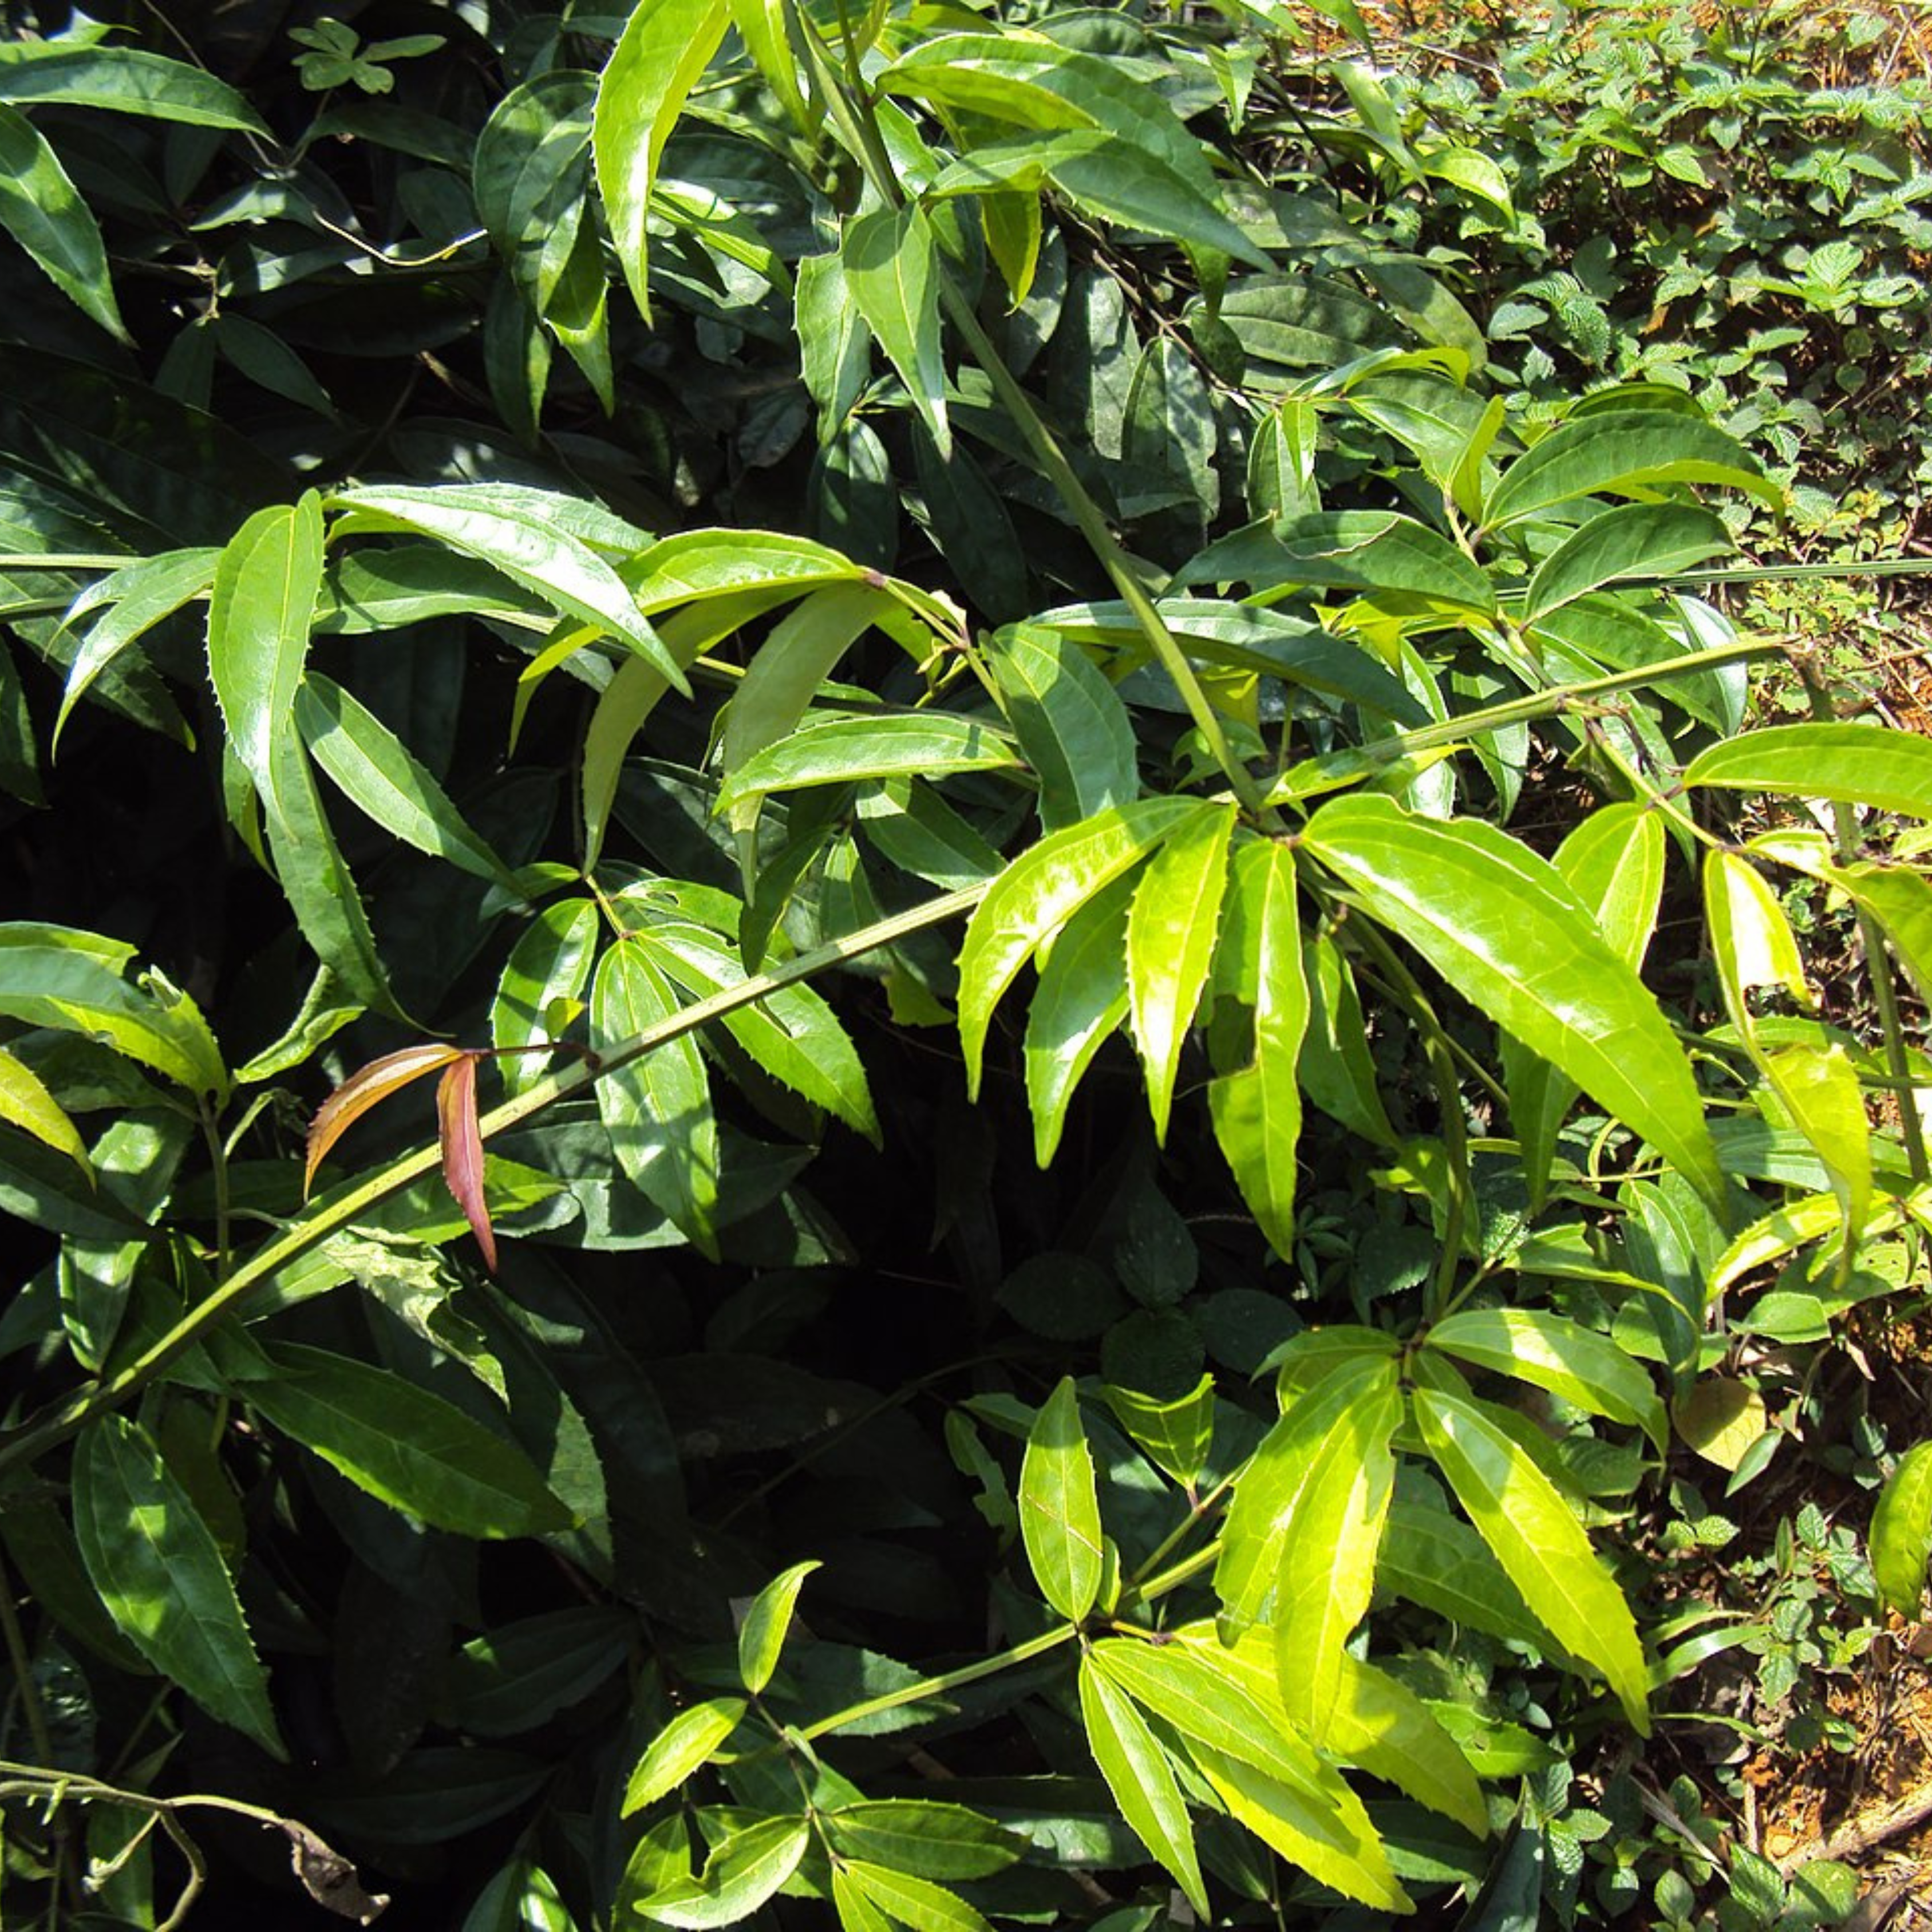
[
  {"x": 1142, "y": 1780},
  {"x": 1522, "y": 1517},
  {"x": 260, "y": 615},
  {"x": 741, "y": 1874},
  {"x": 1039, "y": 893},
  {"x": 761, "y": 1636},
  {"x": 1754, "y": 946},
  {"x": 915, "y": 1902},
  {"x": 374, "y": 771},
  {"x": 527, "y": 534},
  {"x": 1059, "y": 1509},
  {"x": 1406, "y": 565},
  {"x": 1080, "y": 1000},
  {"x": 1172, "y": 926},
  {"x": 1175, "y": 1435},
  {"x": 892, "y": 271},
  {"x": 844, "y": 750},
  {"x": 316, "y": 882},
  {"x": 124, "y": 80},
  {"x": 857, "y": 1912},
  {"x": 1192, "y": 1688},
  {"x": 1507, "y": 932},
  {"x": 137, "y": 596},
  {"x": 155, "y": 1563},
  {"x": 665, "y": 47},
  {"x": 1634, "y": 540},
  {"x": 1335, "y": 1069},
  {"x": 1265, "y": 1490},
  {"x": 1435, "y": 1559},
  {"x": 1624, "y": 453},
  {"x": 1614, "y": 860},
  {"x": 521, "y": 1674},
  {"x": 684, "y": 1745},
  {"x": 1070, "y": 722},
  {"x": 1256, "y": 1109},
  {"x": 792, "y": 1034},
  {"x": 1381, "y": 1725},
  {"x": 1333, "y": 1842},
  {"x": 657, "y": 1111},
  {"x": 55, "y": 976},
  {"x": 410, "y": 1449},
  {"x": 1850, "y": 764},
  {"x": 548, "y": 967},
  {"x": 26, "y": 1103},
  {"x": 1901, "y": 1532},
  {"x": 929, "y": 1839},
  {"x": 784, "y": 676},
  {"x": 1561, "y": 1355},
  {"x": 41, "y": 209},
  {"x": 1330, "y": 1536}
]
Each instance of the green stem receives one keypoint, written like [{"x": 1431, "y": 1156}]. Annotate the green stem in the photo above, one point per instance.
[
  {"x": 946, "y": 1681},
  {"x": 341, "y": 1210},
  {"x": 66, "y": 560},
  {"x": 1189, "y": 1567},
  {"x": 23, "y": 1663}
]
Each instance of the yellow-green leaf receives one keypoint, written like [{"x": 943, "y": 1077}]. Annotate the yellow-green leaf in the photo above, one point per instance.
[{"x": 1059, "y": 1509}]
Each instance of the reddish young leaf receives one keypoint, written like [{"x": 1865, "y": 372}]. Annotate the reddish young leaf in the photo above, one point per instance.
[
  {"x": 463, "y": 1151},
  {"x": 364, "y": 1089}
]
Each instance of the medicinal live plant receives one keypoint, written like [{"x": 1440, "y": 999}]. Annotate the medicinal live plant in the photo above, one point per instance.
[{"x": 1029, "y": 837}]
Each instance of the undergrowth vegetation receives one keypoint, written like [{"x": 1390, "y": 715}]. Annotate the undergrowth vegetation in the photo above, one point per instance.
[{"x": 1159, "y": 1094}]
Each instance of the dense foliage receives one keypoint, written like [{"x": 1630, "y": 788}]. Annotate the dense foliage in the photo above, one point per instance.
[{"x": 1030, "y": 708}]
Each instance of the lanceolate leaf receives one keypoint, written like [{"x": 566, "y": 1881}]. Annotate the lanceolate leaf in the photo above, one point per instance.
[
  {"x": 460, "y": 1138},
  {"x": 1193, "y": 1688},
  {"x": 412, "y": 1449},
  {"x": 1624, "y": 453},
  {"x": 1330, "y": 1538},
  {"x": 1504, "y": 928},
  {"x": 1252, "y": 1538},
  {"x": 154, "y": 1561},
  {"x": 1172, "y": 926},
  {"x": 1561, "y": 1355},
  {"x": 915, "y": 1902},
  {"x": 932, "y": 1840},
  {"x": 744, "y": 1871},
  {"x": 137, "y": 597},
  {"x": 1257, "y": 1108},
  {"x": 258, "y": 618},
  {"x": 1082, "y": 997},
  {"x": 782, "y": 679},
  {"x": 1901, "y": 1532},
  {"x": 1614, "y": 862},
  {"x": 25, "y": 1103},
  {"x": 1039, "y": 893},
  {"x": 374, "y": 770},
  {"x": 1523, "y": 1518},
  {"x": 677, "y": 1751},
  {"x": 657, "y": 1110},
  {"x": 1334, "y": 1843},
  {"x": 527, "y": 538},
  {"x": 1631, "y": 541},
  {"x": 1059, "y": 1509},
  {"x": 761, "y": 1636},
  {"x": 40, "y": 207},
  {"x": 368, "y": 1086},
  {"x": 546, "y": 973},
  {"x": 893, "y": 270},
  {"x": 792, "y": 1034},
  {"x": 124, "y": 80},
  {"x": 1072, "y": 725},
  {"x": 664, "y": 47},
  {"x": 844, "y": 751},
  {"x": 1852, "y": 764},
  {"x": 1142, "y": 1780}
]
